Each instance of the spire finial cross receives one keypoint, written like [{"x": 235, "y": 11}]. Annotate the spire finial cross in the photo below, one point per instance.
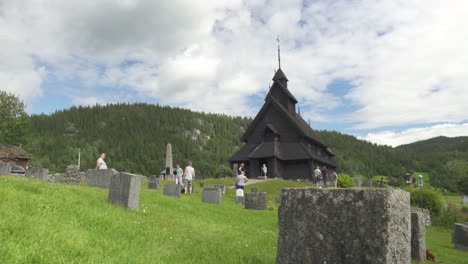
[{"x": 279, "y": 57}]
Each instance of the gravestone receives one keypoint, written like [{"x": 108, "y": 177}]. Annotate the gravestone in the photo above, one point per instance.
[
  {"x": 426, "y": 213},
  {"x": 256, "y": 201},
  {"x": 254, "y": 190},
  {"x": 278, "y": 199},
  {"x": 153, "y": 182},
  {"x": 202, "y": 185},
  {"x": 344, "y": 226},
  {"x": 221, "y": 187},
  {"x": 172, "y": 190},
  {"x": 5, "y": 169},
  {"x": 240, "y": 199},
  {"x": 367, "y": 183},
  {"x": 235, "y": 170},
  {"x": 124, "y": 190},
  {"x": 460, "y": 236},
  {"x": 38, "y": 173},
  {"x": 418, "y": 236},
  {"x": 357, "y": 181},
  {"x": 464, "y": 199},
  {"x": 100, "y": 178},
  {"x": 211, "y": 195}
]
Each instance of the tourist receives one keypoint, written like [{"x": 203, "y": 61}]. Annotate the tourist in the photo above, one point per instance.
[
  {"x": 317, "y": 174},
  {"x": 179, "y": 172},
  {"x": 324, "y": 176},
  {"x": 241, "y": 180},
  {"x": 334, "y": 178},
  {"x": 189, "y": 176},
  {"x": 100, "y": 163},
  {"x": 264, "y": 170},
  {"x": 241, "y": 169}
]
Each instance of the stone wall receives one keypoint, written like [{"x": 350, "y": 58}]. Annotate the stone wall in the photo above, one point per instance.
[
  {"x": 344, "y": 226},
  {"x": 72, "y": 174}
]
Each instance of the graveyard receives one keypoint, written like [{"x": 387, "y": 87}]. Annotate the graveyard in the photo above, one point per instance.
[{"x": 45, "y": 222}]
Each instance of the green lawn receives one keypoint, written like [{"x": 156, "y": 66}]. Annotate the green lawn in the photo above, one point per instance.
[
  {"x": 455, "y": 199},
  {"x": 42, "y": 222}
]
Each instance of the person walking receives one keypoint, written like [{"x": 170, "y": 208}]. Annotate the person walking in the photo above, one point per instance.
[
  {"x": 334, "y": 178},
  {"x": 189, "y": 176},
  {"x": 264, "y": 171},
  {"x": 179, "y": 172},
  {"x": 100, "y": 163},
  {"x": 324, "y": 176},
  {"x": 317, "y": 174},
  {"x": 241, "y": 180}
]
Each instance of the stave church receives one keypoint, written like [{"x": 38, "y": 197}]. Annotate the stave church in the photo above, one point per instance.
[{"x": 280, "y": 138}]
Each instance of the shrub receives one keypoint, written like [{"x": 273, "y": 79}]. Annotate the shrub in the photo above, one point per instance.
[
  {"x": 446, "y": 218},
  {"x": 345, "y": 181},
  {"x": 432, "y": 199}
]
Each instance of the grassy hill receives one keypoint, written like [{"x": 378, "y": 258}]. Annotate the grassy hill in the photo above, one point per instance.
[{"x": 43, "y": 222}]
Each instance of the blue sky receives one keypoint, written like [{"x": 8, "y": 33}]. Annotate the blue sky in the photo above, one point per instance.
[{"x": 391, "y": 72}]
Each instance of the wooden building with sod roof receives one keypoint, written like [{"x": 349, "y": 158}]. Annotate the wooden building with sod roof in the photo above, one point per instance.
[
  {"x": 14, "y": 155},
  {"x": 280, "y": 138}
]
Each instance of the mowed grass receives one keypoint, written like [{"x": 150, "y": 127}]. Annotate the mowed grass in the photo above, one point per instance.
[
  {"x": 44, "y": 222},
  {"x": 439, "y": 242}
]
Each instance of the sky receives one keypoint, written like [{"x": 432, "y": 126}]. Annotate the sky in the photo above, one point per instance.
[{"x": 390, "y": 72}]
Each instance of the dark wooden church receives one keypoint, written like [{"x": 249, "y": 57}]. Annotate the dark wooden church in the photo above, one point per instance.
[{"x": 280, "y": 138}]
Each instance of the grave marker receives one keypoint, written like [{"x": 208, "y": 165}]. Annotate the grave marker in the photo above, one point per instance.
[
  {"x": 124, "y": 190},
  {"x": 153, "y": 182},
  {"x": 172, "y": 190},
  {"x": 460, "y": 236},
  {"x": 38, "y": 173},
  {"x": 240, "y": 199},
  {"x": 418, "y": 236},
  {"x": 100, "y": 178},
  {"x": 256, "y": 201},
  {"x": 211, "y": 195},
  {"x": 221, "y": 187},
  {"x": 344, "y": 226}
]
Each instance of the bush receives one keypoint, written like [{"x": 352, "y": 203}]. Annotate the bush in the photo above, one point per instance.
[
  {"x": 345, "y": 181},
  {"x": 432, "y": 199},
  {"x": 447, "y": 218}
]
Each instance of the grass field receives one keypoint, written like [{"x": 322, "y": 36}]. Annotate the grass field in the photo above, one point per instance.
[{"x": 42, "y": 222}]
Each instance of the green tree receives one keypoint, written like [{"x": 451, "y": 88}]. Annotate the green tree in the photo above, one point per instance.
[{"x": 13, "y": 119}]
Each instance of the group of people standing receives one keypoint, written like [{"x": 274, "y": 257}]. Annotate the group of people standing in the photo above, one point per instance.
[
  {"x": 322, "y": 176},
  {"x": 185, "y": 177}
]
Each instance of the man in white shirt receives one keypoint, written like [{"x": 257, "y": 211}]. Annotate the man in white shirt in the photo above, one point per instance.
[
  {"x": 189, "y": 175},
  {"x": 100, "y": 163}
]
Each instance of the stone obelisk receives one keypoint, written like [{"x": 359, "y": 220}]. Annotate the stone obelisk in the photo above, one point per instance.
[{"x": 169, "y": 160}]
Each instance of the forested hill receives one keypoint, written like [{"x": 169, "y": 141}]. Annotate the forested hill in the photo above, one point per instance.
[
  {"x": 446, "y": 159},
  {"x": 134, "y": 137}
]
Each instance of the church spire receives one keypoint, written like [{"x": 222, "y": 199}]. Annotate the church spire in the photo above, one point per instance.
[{"x": 279, "y": 57}]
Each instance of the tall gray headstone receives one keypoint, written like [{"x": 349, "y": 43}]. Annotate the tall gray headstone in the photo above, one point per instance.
[
  {"x": 221, "y": 187},
  {"x": 464, "y": 199},
  {"x": 5, "y": 169},
  {"x": 460, "y": 236},
  {"x": 153, "y": 182},
  {"x": 211, "y": 195},
  {"x": 418, "y": 236},
  {"x": 100, "y": 178},
  {"x": 344, "y": 226},
  {"x": 256, "y": 200},
  {"x": 38, "y": 173},
  {"x": 172, "y": 190},
  {"x": 235, "y": 170},
  {"x": 124, "y": 190}
]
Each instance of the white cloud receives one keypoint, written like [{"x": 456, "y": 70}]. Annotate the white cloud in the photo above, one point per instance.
[
  {"x": 394, "y": 139},
  {"x": 405, "y": 59},
  {"x": 86, "y": 101}
]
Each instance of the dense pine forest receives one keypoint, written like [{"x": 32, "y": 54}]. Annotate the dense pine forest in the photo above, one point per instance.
[{"x": 134, "y": 136}]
